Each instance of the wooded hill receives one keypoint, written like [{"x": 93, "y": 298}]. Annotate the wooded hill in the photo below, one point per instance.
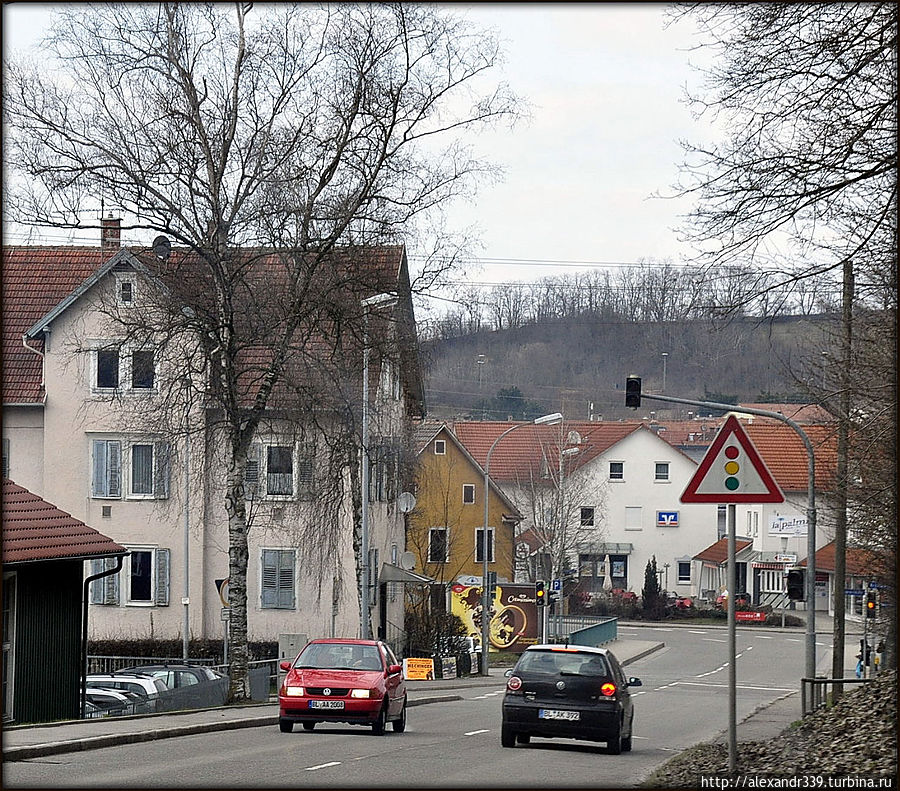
[{"x": 570, "y": 364}]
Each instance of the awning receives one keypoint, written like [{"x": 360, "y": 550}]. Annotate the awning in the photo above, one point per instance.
[{"x": 392, "y": 573}]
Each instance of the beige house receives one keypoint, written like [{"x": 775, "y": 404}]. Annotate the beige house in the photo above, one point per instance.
[{"x": 90, "y": 423}]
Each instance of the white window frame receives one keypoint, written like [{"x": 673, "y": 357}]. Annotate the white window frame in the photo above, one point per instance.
[
  {"x": 292, "y": 453},
  {"x": 591, "y": 521},
  {"x": 121, "y": 280},
  {"x": 469, "y": 488},
  {"x": 440, "y": 447},
  {"x": 160, "y": 576},
  {"x": 492, "y": 554},
  {"x": 619, "y": 475},
  {"x": 124, "y": 368},
  {"x": 446, "y": 533},
  {"x": 656, "y": 472},
  {"x": 630, "y": 512},
  {"x": 679, "y": 578},
  {"x": 160, "y": 463}
]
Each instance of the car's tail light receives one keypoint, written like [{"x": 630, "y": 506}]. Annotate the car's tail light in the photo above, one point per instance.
[
  {"x": 360, "y": 693},
  {"x": 293, "y": 692},
  {"x": 608, "y": 689},
  {"x": 514, "y": 684}
]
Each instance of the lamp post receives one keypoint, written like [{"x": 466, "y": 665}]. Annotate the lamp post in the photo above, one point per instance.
[
  {"x": 665, "y": 356},
  {"x": 186, "y": 600},
  {"x": 378, "y": 300},
  {"x": 544, "y": 420}
]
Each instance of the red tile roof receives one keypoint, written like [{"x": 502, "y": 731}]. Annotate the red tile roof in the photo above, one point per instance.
[
  {"x": 717, "y": 553},
  {"x": 519, "y": 455},
  {"x": 36, "y": 530},
  {"x": 799, "y": 413},
  {"x": 859, "y": 562},
  {"x": 785, "y": 454},
  {"x": 36, "y": 279}
]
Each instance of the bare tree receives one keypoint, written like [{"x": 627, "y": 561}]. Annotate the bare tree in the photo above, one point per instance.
[{"x": 300, "y": 130}]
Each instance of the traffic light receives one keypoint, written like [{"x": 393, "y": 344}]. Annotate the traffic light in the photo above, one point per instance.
[
  {"x": 633, "y": 391},
  {"x": 871, "y": 604},
  {"x": 795, "y": 584},
  {"x": 492, "y": 584},
  {"x": 540, "y": 593}
]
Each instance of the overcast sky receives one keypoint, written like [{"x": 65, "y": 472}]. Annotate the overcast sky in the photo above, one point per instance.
[{"x": 605, "y": 83}]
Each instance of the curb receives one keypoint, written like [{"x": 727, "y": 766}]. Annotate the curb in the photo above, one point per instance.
[
  {"x": 113, "y": 740},
  {"x": 652, "y": 649}
]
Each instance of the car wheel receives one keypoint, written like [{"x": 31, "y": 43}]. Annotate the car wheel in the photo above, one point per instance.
[
  {"x": 400, "y": 725},
  {"x": 285, "y": 726},
  {"x": 380, "y": 722},
  {"x": 614, "y": 742},
  {"x": 507, "y": 736},
  {"x": 523, "y": 738},
  {"x": 308, "y": 726},
  {"x": 626, "y": 740}
]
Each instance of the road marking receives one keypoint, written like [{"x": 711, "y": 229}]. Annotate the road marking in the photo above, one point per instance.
[
  {"x": 489, "y": 695},
  {"x": 738, "y": 686},
  {"x": 788, "y": 639},
  {"x": 323, "y": 766},
  {"x": 475, "y": 733},
  {"x": 760, "y": 636},
  {"x": 707, "y": 639},
  {"x": 690, "y": 631}
]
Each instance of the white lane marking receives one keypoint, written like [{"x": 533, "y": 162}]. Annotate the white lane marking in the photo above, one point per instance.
[
  {"x": 737, "y": 686},
  {"x": 475, "y": 733},
  {"x": 322, "y": 766},
  {"x": 787, "y": 639},
  {"x": 706, "y": 639},
  {"x": 488, "y": 695},
  {"x": 760, "y": 636},
  {"x": 690, "y": 631}
]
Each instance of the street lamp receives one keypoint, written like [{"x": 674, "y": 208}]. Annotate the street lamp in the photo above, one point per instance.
[
  {"x": 544, "y": 420},
  {"x": 376, "y": 301}
]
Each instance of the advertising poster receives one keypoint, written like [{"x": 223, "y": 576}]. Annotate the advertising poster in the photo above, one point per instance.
[
  {"x": 417, "y": 669},
  {"x": 513, "y": 625}
]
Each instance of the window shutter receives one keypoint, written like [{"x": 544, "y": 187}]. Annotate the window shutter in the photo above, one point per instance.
[
  {"x": 269, "y": 578},
  {"x": 99, "y": 488},
  {"x": 286, "y": 580},
  {"x": 162, "y": 577},
  {"x": 161, "y": 472},
  {"x": 111, "y": 584},
  {"x": 96, "y": 595},
  {"x": 114, "y": 468},
  {"x": 251, "y": 473}
]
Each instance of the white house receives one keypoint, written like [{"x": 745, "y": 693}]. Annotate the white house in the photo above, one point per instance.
[{"x": 82, "y": 428}]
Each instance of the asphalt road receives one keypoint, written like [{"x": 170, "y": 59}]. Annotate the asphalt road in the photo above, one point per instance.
[{"x": 683, "y": 701}]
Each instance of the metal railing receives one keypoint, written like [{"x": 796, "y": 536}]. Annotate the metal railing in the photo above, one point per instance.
[
  {"x": 98, "y": 664},
  {"x": 562, "y": 626},
  {"x": 816, "y": 693}
]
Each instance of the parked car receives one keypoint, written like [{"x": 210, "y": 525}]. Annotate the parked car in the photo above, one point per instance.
[
  {"x": 741, "y": 599},
  {"x": 174, "y": 676},
  {"x": 343, "y": 680},
  {"x": 147, "y": 687},
  {"x": 568, "y": 691},
  {"x": 101, "y": 702}
]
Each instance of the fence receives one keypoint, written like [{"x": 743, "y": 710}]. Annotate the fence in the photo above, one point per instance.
[
  {"x": 595, "y": 629},
  {"x": 103, "y": 665},
  {"x": 818, "y": 692}
]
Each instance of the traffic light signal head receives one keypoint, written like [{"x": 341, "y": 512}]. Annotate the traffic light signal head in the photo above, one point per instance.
[
  {"x": 871, "y": 604},
  {"x": 633, "y": 392},
  {"x": 540, "y": 593},
  {"x": 795, "y": 586}
]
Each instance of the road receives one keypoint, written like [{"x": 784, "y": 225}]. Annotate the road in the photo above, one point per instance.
[{"x": 683, "y": 701}]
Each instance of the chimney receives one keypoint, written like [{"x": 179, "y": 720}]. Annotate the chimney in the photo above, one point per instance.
[{"x": 110, "y": 233}]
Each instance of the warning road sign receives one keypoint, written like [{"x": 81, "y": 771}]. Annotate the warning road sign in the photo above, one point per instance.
[{"x": 732, "y": 471}]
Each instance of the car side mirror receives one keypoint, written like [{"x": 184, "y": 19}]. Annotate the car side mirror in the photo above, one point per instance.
[
  {"x": 634, "y": 682},
  {"x": 394, "y": 669},
  {"x": 508, "y": 673},
  {"x": 285, "y": 664}
]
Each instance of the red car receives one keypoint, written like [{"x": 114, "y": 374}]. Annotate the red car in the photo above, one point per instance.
[{"x": 343, "y": 680}]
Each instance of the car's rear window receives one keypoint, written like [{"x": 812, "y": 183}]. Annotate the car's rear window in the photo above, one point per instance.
[{"x": 555, "y": 662}]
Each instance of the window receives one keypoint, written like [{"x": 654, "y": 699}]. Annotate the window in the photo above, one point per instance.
[
  {"x": 126, "y": 292},
  {"x": 107, "y": 368},
  {"x": 147, "y": 464},
  {"x": 6, "y": 457},
  {"x": 617, "y": 470},
  {"x": 144, "y": 577},
  {"x": 634, "y": 515},
  {"x": 277, "y": 579},
  {"x": 440, "y": 447},
  {"x": 587, "y": 516},
  {"x": 468, "y": 494},
  {"x": 662, "y": 471},
  {"x": 438, "y": 545},
  {"x": 684, "y": 572},
  {"x": 279, "y": 470},
  {"x": 479, "y": 545},
  {"x": 142, "y": 369}
]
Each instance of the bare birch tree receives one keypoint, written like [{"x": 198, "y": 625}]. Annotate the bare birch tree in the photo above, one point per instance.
[{"x": 230, "y": 129}]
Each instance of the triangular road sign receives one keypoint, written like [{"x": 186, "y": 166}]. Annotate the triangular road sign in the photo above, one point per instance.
[{"x": 732, "y": 471}]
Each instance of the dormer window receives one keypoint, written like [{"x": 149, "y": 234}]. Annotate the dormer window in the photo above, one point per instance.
[{"x": 126, "y": 292}]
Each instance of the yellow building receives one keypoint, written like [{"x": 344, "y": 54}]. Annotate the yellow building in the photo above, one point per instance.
[{"x": 445, "y": 528}]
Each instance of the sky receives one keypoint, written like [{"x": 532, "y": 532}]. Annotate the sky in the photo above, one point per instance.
[{"x": 605, "y": 84}]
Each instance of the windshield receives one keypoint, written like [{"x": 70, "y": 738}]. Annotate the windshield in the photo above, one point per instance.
[
  {"x": 339, "y": 656},
  {"x": 563, "y": 662}
]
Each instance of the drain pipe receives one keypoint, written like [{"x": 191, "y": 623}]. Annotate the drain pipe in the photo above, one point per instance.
[{"x": 84, "y": 625}]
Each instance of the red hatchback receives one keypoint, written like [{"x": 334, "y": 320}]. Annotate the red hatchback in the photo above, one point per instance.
[{"x": 338, "y": 680}]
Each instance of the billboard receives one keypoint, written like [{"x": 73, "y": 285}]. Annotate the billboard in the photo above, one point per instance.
[{"x": 513, "y": 625}]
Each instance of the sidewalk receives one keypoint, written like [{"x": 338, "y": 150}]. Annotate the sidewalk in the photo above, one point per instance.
[{"x": 33, "y": 741}]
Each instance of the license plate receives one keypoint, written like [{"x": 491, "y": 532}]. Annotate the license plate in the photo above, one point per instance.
[
  {"x": 326, "y": 704},
  {"x": 558, "y": 714}
]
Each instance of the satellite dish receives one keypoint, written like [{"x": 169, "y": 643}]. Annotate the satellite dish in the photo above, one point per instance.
[
  {"x": 407, "y": 561},
  {"x": 406, "y": 502},
  {"x": 162, "y": 247},
  {"x": 574, "y": 438}
]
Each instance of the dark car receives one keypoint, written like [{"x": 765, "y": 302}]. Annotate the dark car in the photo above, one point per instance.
[
  {"x": 568, "y": 691},
  {"x": 335, "y": 680},
  {"x": 175, "y": 676}
]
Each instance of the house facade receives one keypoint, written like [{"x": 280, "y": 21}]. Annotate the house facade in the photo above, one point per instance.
[{"x": 89, "y": 424}]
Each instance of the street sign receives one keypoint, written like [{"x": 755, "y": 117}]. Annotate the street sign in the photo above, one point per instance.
[
  {"x": 853, "y": 591},
  {"x": 556, "y": 585},
  {"x": 785, "y": 558},
  {"x": 732, "y": 471}
]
